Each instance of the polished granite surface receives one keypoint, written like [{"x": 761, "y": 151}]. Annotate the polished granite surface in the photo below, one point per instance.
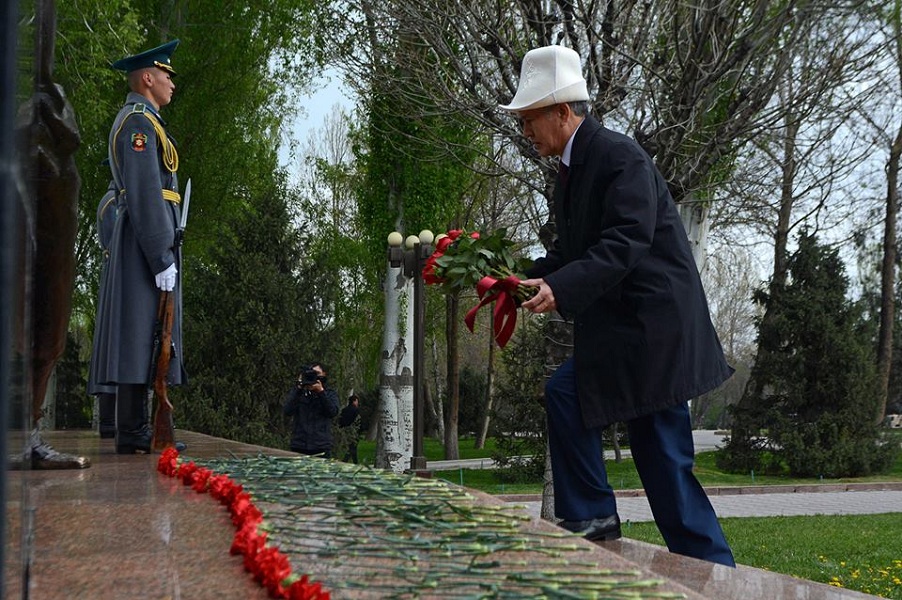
[{"x": 119, "y": 529}]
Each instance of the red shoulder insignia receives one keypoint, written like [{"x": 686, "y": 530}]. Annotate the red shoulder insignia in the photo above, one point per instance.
[{"x": 139, "y": 142}]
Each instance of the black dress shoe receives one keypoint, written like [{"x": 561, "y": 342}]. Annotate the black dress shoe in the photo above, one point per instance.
[
  {"x": 596, "y": 530},
  {"x": 130, "y": 442}
]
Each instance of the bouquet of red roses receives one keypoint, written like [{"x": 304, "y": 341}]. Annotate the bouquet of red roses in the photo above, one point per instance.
[{"x": 486, "y": 262}]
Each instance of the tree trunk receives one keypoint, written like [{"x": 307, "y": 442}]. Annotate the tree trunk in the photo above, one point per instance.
[
  {"x": 547, "y": 510},
  {"x": 394, "y": 445},
  {"x": 429, "y": 413},
  {"x": 695, "y": 220},
  {"x": 436, "y": 407},
  {"x": 452, "y": 451},
  {"x": 489, "y": 382},
  {"x": 888, "y": 275}
]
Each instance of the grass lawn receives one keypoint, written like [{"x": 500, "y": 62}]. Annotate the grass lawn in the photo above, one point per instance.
[
  {"x": 623, "y": 476},
  {"x": 856, "y": 552},
  {"x": 433, "y": 449},
  {"x": 861, "y": 552}
]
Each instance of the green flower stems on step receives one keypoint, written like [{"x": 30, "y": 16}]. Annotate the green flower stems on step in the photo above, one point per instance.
[{"x": 409, "y": 537}]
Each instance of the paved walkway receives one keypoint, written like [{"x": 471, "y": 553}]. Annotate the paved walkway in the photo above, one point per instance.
[
  {"x": 758, "y": 501},
  {"x": 636, "y": 508}
]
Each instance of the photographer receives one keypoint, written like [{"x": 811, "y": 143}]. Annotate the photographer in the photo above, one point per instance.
[{"x": 313, "y": 407}]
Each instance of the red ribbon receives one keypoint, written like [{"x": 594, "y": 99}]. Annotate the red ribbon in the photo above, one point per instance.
[{"x": 505, "y": 313}]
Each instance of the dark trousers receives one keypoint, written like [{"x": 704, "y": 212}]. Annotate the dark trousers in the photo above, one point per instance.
[
  {"x": 663, "y": 451},
  {"x": 351, "y": 454},
  {"x": 106, "y": 403}
]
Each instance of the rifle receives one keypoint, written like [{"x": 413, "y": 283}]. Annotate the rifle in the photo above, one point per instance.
[{"x": 163, "y": 427}]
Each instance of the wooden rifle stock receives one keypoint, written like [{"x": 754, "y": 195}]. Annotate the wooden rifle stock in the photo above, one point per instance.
[{"x": 163, "y": 428}]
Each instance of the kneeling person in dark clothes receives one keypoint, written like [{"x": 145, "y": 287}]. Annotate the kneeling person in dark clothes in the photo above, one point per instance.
[{"x": 313, "y": 406}]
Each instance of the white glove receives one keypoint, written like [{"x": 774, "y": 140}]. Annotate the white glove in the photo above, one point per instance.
[{"x": 166, "y": 279}]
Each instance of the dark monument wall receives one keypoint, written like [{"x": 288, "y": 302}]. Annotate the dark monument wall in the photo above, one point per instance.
[{"x": 39, "y": 224}]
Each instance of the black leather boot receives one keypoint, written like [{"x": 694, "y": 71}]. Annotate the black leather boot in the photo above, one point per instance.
[
  {"x": 132, "y": 433},
  {"x": 130, "y": 442}
]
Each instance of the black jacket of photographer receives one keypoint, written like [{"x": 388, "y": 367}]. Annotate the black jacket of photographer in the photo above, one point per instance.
[{"x": 313, "y": 413}]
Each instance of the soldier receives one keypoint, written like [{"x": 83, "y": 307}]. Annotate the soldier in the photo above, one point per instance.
[
  {"x": 144, "y": 257},
  {"x": 106, "y": 394}
]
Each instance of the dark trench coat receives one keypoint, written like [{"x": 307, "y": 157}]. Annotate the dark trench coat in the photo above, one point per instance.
[
  {"x": 622, "y": 269},
  {"x": 142, "y": 245}
]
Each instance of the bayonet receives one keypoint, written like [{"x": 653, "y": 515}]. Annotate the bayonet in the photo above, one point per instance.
[{"x": 186, "y": 202}]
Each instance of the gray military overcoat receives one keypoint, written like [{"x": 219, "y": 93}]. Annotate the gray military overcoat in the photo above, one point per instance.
[
  {"x": 622, "y": 269},
  {"x": 106, "y": 222},
  {"x": 143, "y": 244}
]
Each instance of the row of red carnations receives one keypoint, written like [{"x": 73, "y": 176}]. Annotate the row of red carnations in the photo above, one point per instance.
[{"x": 269, "y": 567}]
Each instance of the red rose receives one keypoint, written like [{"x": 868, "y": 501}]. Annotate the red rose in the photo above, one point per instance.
[
  {"x": 442, "y": 245},
  {"x": 429, "y": 275}
]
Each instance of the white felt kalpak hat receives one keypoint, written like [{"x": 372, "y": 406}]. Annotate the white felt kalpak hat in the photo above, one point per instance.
[{"x": 549, "y": 75}]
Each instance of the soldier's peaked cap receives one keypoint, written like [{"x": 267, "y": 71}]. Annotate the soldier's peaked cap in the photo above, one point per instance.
[{"x": 155, "y": 57}]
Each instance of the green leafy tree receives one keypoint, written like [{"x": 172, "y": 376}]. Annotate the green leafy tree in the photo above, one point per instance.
[
  {"x": 90, "y": 35},
  {"x": 252, "y": 328},
  {"x": 518, "y": 419},
  {"x": 71, "y": 411},
  {"x": 814, "y": 416},
  {"x": 411, "y": 182},
  {"x": 348, "y": 293}
]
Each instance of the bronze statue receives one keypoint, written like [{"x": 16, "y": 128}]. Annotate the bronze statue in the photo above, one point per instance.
[{"x": 47, "y": 135}]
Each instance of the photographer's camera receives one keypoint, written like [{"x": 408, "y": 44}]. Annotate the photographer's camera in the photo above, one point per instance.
[{"x": 308, "y": 377}]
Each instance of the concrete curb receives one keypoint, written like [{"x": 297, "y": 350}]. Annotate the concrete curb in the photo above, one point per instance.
[{"x": 878, "y": 486}]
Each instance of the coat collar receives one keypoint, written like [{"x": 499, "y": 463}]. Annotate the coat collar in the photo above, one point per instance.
[{"x": 584, "y": 134}]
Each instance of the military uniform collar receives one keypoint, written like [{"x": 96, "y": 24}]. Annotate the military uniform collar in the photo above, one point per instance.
[{"x": 135, "y": 99}]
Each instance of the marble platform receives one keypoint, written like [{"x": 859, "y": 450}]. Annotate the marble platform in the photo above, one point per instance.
[{"x": 122, "y": 530}]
